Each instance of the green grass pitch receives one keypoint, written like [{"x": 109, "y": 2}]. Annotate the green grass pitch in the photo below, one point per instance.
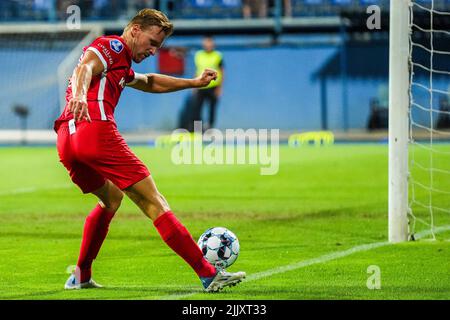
[{"x": 292, "y": 227}]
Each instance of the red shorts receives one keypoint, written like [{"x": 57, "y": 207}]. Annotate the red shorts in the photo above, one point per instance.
[{"x": 95, "y": 152}]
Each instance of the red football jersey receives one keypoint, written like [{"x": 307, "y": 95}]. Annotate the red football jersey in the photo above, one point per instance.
[{"x": 105, "y": 89}]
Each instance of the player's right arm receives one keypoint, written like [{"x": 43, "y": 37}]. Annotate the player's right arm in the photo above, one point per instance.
[{"x": 89, "y": 66}]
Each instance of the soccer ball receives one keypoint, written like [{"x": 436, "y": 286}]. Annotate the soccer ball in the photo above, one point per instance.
[{"x": 220, "y": 247}]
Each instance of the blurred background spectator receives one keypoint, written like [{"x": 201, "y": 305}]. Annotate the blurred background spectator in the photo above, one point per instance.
[
  {"x": 378, "y": 118},
  {"x": 443, "y": 121},
  {"x": 254, "y": 8},
  {"x": 287, "y": 8}
]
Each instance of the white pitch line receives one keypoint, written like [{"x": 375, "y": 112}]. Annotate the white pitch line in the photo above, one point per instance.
[
  {"x": 33, "y": 189},
  {"x": 321, "y": 259},
  {"x": 313, "y": 261}
]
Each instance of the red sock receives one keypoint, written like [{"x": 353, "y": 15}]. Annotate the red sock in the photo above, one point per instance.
[
  {"x": 95, "y": 231},
  {"x": 180, "y": 240}
]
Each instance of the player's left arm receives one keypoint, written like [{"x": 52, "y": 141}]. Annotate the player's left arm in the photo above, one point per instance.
[{"x": 159, "y": 83}]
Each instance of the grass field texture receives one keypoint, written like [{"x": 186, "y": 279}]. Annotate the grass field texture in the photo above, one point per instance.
[{"x": 300, "y": 231}]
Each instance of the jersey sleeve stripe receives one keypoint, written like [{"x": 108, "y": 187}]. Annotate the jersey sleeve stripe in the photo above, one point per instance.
[
  {"x": 137, "y": 76},
  {"x": 132, "y": 82},
  {"x": 101, "y": 93},
  {"x": 99, "y": 55},
  {"x": 102, "y": 110}
]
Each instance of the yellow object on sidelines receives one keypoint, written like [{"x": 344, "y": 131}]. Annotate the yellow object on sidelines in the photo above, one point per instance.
[
  {"x": 176, "y": 137},
  {"x": 318, "y": 138}
]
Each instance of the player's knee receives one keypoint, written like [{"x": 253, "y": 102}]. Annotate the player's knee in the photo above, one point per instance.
[
  {"x": 161, "y": 203},
  {"x": 113, "y": 201},
  {"x": 153, "y": 199},
  {"x": 117, "y": 200}
]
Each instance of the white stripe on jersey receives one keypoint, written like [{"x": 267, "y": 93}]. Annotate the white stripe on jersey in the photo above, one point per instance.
[
  {"x": 100, "y": 96},
  {"x": 99, "y": 55}
]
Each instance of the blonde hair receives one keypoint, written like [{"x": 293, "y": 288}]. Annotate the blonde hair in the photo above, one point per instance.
[{"x": 151, "y": 17}]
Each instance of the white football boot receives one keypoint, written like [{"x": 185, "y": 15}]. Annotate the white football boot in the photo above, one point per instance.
[
  {"x": 221, "y": 280},
  {"x": 73, "y": 284}
]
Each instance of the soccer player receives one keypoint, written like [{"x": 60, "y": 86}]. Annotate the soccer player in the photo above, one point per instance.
[{"x": 97, "y": 157}]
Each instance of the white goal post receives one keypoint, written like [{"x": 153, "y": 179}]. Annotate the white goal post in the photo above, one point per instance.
[
  {"x": 419, "y": 118},
  {"x": 399, "y": 78}
]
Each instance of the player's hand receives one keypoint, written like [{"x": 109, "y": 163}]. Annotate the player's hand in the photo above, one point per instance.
[
  {"x": 205, "y": 78},
  {"x": 79, "y": 108}
]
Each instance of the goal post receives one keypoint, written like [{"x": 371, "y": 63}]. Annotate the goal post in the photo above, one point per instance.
[
  {"x": 419, "y": 118},
  {"x": 399, "y": 79}
]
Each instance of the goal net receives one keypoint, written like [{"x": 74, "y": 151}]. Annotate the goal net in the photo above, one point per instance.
[
  {"x": 36, "y": 61},
  {"x": 429, "y": 117}
]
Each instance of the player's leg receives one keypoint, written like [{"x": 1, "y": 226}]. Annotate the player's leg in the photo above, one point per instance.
[
  {"x": 121, "y": 166},
  {"x": 96, "y": 227},
  {"x": 75, "y": 152},
  {"x": 145, "y": 194},
  {"x": 147, "y": 197},
  {"x": 116, "y": 162},
  {"x": 95, "y": 230}
]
